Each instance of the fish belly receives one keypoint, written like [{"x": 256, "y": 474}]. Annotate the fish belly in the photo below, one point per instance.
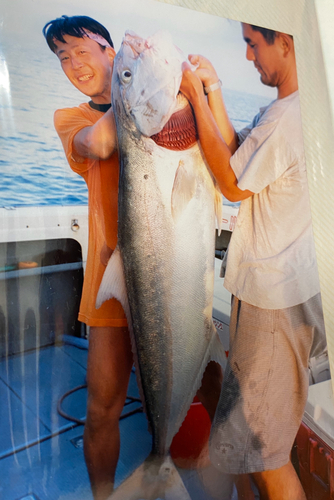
[{"x": 168, "y": 262}]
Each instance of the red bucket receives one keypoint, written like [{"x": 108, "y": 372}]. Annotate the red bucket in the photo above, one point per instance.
[{"x": 189, "y": 447}]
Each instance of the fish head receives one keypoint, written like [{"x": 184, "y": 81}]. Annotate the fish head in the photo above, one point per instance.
[{"x": 146, "y": 78}]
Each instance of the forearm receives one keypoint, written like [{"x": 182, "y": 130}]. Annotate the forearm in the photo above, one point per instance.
[
  {"x": 215, "y": 149},
  {"x": 207, "y": 74},
  {"x": 218, "y": 109},
  {"x": 99, "y": 140}
]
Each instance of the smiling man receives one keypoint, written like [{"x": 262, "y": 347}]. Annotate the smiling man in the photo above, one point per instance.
[
  {"x": 276, "y": 316},
  {"x": 88, "y": 135}
]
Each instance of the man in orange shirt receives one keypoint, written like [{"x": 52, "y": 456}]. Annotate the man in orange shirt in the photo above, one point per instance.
[{"x": 88, "y": 135}]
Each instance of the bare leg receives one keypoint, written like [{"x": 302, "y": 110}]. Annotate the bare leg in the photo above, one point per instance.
[
  {"x": 108, "y": 372},
  {"x": 209, "y": 392},
  {"x": 279, "y": 484},
  {"x": 243, "y": 486}
]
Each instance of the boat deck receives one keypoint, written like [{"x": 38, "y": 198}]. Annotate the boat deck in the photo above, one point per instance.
[{"x": 41, "y": 454}]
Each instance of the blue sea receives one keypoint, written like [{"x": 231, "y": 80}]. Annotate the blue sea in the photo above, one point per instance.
[{"x": 33, "y": 167}]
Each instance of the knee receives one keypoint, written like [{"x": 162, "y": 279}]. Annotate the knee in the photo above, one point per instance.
[{"x": 102, "y": 411}]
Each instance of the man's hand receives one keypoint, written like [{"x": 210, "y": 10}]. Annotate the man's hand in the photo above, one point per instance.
[
  {"x": 191, "y": 85},
  {"x": 204, "y": 69},
  {"x": 193, "y": 81}
]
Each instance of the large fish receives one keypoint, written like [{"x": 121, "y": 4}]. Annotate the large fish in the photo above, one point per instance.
[{"x": 164, "y": 260}]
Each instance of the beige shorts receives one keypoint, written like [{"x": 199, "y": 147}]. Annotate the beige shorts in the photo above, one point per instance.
[{"x": 265, "y": 385}]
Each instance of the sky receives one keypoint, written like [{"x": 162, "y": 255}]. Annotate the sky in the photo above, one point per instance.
[{"x": 218, "y": 39}]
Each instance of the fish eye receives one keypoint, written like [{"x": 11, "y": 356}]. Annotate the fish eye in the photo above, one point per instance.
[{"x": 126, "y": 76}]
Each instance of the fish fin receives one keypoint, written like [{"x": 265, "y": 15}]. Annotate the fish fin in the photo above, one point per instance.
[
  {"x": 154, "y": 479},
  {"x": 113, "y": 286},
  {"x": 218, "y": 208},
  {"x": 217, "y": 352},
  {"x": 183, "y": 190},
  {"x": 113, "y": 283},
  {"x": 176, "y": 490}
]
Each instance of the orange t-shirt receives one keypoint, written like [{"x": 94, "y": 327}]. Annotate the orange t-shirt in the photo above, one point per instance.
[{"x": 101, "y": 177}]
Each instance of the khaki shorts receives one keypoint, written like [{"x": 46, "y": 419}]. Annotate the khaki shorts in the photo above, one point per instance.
[{"x": 265, "y": 385}]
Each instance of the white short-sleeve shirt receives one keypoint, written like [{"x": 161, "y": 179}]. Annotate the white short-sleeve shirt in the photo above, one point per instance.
[{"x": 271, "y": 260}]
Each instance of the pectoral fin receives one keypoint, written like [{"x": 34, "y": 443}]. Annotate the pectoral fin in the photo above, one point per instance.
[
  {"x": 218, "y": 208},
  {"x": 184, "y": 189},
  {"x": 217, "y": 352},
  {"x": 113, "y": 283}
]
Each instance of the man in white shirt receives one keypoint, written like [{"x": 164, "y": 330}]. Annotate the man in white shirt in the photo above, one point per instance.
[{"x": 276, "y": 317}]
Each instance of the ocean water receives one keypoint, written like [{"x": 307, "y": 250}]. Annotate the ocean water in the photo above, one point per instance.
[{"x": 33, "y": 167}]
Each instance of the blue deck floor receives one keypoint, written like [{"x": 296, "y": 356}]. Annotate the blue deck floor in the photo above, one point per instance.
[{"x": 41, "y": 455}]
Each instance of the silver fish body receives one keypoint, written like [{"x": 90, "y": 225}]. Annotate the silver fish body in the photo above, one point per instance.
[{"x": 166, "y": 235}]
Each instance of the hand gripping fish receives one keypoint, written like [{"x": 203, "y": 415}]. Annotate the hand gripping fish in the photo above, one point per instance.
[{"x": 162, "y": 269}]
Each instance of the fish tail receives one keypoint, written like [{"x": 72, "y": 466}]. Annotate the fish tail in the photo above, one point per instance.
[{"x": 155, "y": 479}]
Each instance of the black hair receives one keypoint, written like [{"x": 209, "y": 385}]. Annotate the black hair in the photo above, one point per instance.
[
  {"x": 268, "y": 35},
  {"x": 73, "y": 26}
]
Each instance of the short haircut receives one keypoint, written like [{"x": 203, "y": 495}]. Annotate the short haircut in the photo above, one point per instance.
[
  {"x": 73, "y": 26},
  {"x": 268, "y": 35}
]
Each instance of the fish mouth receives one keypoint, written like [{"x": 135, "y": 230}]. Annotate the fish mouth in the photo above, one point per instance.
[{"x": 180, "y": 131}]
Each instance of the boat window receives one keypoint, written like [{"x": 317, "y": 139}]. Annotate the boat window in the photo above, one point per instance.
[{"x": 40, "y": 290}]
